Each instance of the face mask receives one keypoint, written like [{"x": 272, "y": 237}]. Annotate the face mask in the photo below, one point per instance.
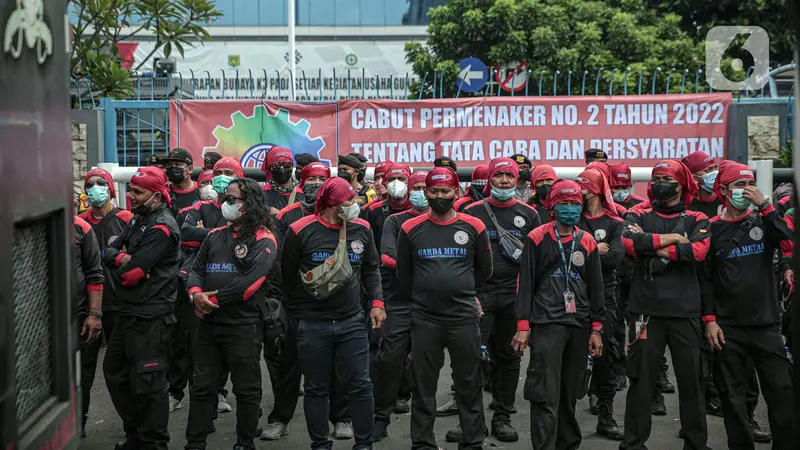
[
  {"x": 542, "y": 191},
  {"x": 350, "y": 212},
  {"x": 441, "y": 205},
  {"x": 345, "y": 176},
  {"x": 175, "y": 175},
  {"x": 310, "y": 192},
  {"x": 362, "y": 173},
  {"x": 503, "y": 194},
  {"x": 281, "y": 174},
  {"x": 418, "y": 199},
  {"x": 525, "y": 175},
  {"x": 144, "y": 208},
  {"x": 397, "y": 189},
  {"x": 98, "y": 195},
  {"x": 231, "y": 212},
  {"x": 208, "y": 193},
  {"x": 708, "y": 181},
  {"x": 220, "y": 183},
  {"x": 621, "y": 196},
  {"x": 568, "y": 215},
  {"x": 738, "y": 200},
  {"x": 664, "y": 190}
]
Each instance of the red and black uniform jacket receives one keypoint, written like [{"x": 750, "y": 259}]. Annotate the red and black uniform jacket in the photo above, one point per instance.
[
  {"x": 710, "y": 208},
  {"x": 518, "y": 219},
  {"x": 784, "y": 205},
  {"x": 625, "y": 270},
  {"x": 308, "y": 243},
  {"x": 286, "y": 217},
  {"x": 207, "y": 211},
  {"x": 279, "y": 200},
  {"x": 388, "y": 250},
  {"x": 544, "y": 214},
  {"x": 607, "y": 228},
  {"x": 738, "y": 278},
  {"x": 543, "y": 281},
  {"x": 461, "y": 204},
  {"x": 146, "y": 285},
  {"x": 237, "y": 270},
  {"x": 631, "y": 201},
  {"x": 181, "y": 200},
  {"x": 88, "y": 268},
  {"x": 440, "y": 264},
  {"x": 107, "y": 230},
  {"x": 376, "y": 214},
  {"x": 674, "y": 290}
]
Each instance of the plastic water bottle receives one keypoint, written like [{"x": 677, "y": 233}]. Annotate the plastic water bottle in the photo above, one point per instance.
[
  {"x": 789, "y": 355},
  {"x": 484, "y": 353}
]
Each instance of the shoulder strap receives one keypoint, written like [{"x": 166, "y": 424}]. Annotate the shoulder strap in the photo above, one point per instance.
[
  {"x": 745, "y": 227},
  {"x": 111, "y": 214},
  {"x": 500, "y": 230},
  {"x": 292, "y": 196}
]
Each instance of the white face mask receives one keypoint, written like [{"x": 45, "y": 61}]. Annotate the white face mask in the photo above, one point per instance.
[
  {"x": 208, "y": 193},
  {"x": 621, "y": 196},
  {"x": 397, "y": 189},
  {"x": 231, "y": 212},
  {"x": 350, "y": 213}
]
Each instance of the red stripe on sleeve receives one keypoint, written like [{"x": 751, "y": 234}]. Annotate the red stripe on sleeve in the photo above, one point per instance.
[
  {"x": 709, "y": 318},
  {"x": 628, "y": 244},
  {"x": 700, "y": 249},
  {"x": 132, "y": 277},
  {"x": 656, "y": 241},
  {"x": 388, "y": 262},
  {"x": 163, "y": 228},
  {"x": 597, "y": 325},
  {"x": 253, "y": 288},
  {"x": 94, "y": 287},
  {"x": 119, "y": 258},
  {"x": 378, "y": 304},
  {"x": 195, "y": 289},
  {"x": 787, "y": 247},
  {"x": 767, "y": 210},
  {"x": 191, "y": 244},
  {"x": 213, "y": 299},
  {"x": 523, "y": 325},
  {"x": 673, "y": 252}
]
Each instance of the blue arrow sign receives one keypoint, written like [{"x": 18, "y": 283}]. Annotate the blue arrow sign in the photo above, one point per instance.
[{"x": 473, "y": 75}]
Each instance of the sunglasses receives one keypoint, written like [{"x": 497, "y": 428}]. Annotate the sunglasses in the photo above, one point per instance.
[
  {"x": 230, "y": 199},
  {"x": 99, "y": 182}
]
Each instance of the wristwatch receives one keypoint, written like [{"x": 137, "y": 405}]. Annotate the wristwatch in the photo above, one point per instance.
[
  {"x": 764, "y": 204},
  {"x": 96, "y": 314},
  {"x": 191, "y": 297}
]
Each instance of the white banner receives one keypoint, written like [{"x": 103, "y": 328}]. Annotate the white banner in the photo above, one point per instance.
[{"x": 375, "y": 69}]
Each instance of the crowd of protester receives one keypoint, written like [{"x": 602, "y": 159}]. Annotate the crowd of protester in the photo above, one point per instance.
[{"x": 356, "y": 288}]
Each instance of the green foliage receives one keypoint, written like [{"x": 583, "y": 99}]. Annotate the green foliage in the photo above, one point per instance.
[
  {"x": 581, "y": 36},
  {"x": 786, "y": 154},
  {"x": 101, "y": 23}
]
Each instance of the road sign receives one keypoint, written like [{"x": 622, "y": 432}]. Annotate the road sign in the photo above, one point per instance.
[
  {"x": 473, "y": 75},
  {"x": 512, "y": 77}
]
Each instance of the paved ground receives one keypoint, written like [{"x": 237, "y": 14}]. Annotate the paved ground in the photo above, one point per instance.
[{"x": 104, "y": 427}]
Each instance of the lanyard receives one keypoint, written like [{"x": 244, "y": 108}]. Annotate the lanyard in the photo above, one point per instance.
[{"x": 566, "y": 266}]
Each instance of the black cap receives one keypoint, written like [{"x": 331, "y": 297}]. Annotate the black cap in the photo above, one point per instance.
[
  {"x": 350, "y": 161},
  {"x": 595, "y": 153},
  {"x": 211, "y": 158},
  {"x": 155, "y": 160},
  {"x": 360, "y": 157},
  {"x": 521, "y": 159},
  {"x": 304, "y": 159},
  {"x": 444, "y": 161},
  {"x": 180, "y": 154}
]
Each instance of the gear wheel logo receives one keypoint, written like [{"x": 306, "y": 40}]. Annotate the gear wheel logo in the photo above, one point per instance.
[{"x": 260, "y": 132}]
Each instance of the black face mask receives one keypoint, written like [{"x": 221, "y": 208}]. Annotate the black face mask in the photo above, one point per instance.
[
  {"x": 281, "y": 174},
  {"x": 441, "y": 205},
  {"x": 525, "y": 175},
  {"x": 297, "y": 173},
  {"x": 664, "y": 191},
  {"x": 310, "y": 192},
  {"x": 144, "y": 208},
  {"x": 362, "y": 173},
  {"x": 175, "y": 175},
  {"x": 542, "y": 191},
  {"x": 345, "y": 176}
]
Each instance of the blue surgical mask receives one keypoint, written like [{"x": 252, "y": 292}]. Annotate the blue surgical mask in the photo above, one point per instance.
[
  {"x": 708, "y": 181},
  {"x": 418, "y": 199},
  {"x": 568, "y": 215},
  {"x": 503, "y": 194},
  {"x": 739, "y": 201},
  {"x": 98, "y": 195},
  {"x": 621, "y": 196},
  {"x": 220, "y": 183}
]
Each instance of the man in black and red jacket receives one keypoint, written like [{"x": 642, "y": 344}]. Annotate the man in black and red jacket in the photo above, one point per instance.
[
  {"x": 559, "y": 302},
  {"x": 143, "y": 264},
  {"x": 498, "y": 294},
  {"x": 333, "y": 331},
  {"x": 474, "y": 192},
  {"x": 445, "y": 308},
  {"x": 740, "y": 307},
  {"x": 391, "y": 366},
  {"x": 281, "y": 189},
  {"x": 396, "y": 182},
  {"x": 601, "y": 220},
  {"x": 622, "y": 182},
  {"x": 183, "y": 191},
  {"x": 704, "y": 170},
  {"x": 89, "y": 271},
  {"x": 667, "y": 241},
  {"x": 542, "y": 178}
]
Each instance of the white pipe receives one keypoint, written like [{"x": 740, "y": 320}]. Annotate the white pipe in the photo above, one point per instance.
[
  {"x": 763, "y": 172},
  {"x": 292, "y": 49}
]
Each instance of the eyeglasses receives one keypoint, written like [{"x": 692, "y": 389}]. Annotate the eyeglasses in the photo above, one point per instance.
[
  {"x": 99, "y": 182},
  {"x": 230, "y": 199}
]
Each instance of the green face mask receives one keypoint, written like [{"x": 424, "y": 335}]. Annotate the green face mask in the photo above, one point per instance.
[
  {"x": 220, "y": 183},
  {"x": 738, "y": 200}
]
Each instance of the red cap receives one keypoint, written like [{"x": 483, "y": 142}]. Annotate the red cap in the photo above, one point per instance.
[
  {"x": 382, "y": 167},
  {"x": 334, "y": 192},
  {"x": 441, "y": 176},
  {"x": 152, "y": 179},
  {"x": 416, "y": 177},
  {"x": 232, "y": 164},
  {"x": 543, "y": 172},
  {"x": 698, "y": 161},
  {"x": 595, "y": 182},
  {"x": 678, "y": 171},
  {"x": 730, "y": 171},
  {"x": 602, "y": 167},
  {"x": 398, "y": 170},
  {"x": 104, "y": 174},
  {"x": 620, "y": 175},
  {"x": 500, "y": 165},
  {"x": 563, "y": 191},
  {"x": 206, "y": 175},
  {"x": 276, "y": 154},
  {"x": 315, "y": 169},
  {"x": 480, "y": 172}
]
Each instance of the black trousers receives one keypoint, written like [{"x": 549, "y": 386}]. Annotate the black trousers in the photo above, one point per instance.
[
  {"x": 89, "y": 353},
  {"x": 498, "y": 326},
  {"x": 428, "y": 341},
  {"x": 237, "y": 347},
  {"x": 764, "y": 347},
  {"x": 604, "y": 378},
  {"x": 556, "y": 369},
  {"x": 684, "y": 338},
  {"x": 135, "y": 368},
  {"x": 623, "y": 291},
  {"x": 391, "y": 361}
]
